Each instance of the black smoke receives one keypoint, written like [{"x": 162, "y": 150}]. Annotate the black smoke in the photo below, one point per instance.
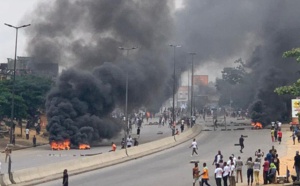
[
  {"x": 257, "y": 31},
  {"x": 86, "y": 35}
]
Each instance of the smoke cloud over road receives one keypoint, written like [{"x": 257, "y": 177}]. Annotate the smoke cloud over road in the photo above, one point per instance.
[
  {"x": 85, "y": 35},
  {"x": 257, "y": 31}
]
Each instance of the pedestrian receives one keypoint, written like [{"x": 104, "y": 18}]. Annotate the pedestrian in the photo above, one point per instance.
[
  {"x": 259, "y": 155},
  {"x": 250, "y": 165},
  {"x": 182, "y": 127},
  {"x": 226, "y": 172},
  {"x": 138, "y": 131},
  {"x": 256, "y": 170},
  {"x": 266, "y": 167},
  {"x": 218, "y": 175},
  {"x": 135, "y": 143},
  {"x": 272, "y": 173},
  {"x": 272, "y": 134},
  {"x": 34, "y": 141},
  {"x": 275, "y": 134},
  {"x": 241, "y": 143},
  {"x": 123, "y": 143},
  {"x": 7, "y": 152},
  {"x": 276, "y": 161},
  {"x": 113, "y": 147},
  {"x": 196, "y": 174},
  {"x": 129, "y": 141},
  {"x": 269, "y": 156},
  {"x": 13, "y": 141},
  {"x": 27, "y": 133},
  {"x": 279, "y": 133},
  {"x": 239, "y": 168},
  {"x": 294, "y": 137},
  {"x": 177, "y": 132},
  {"x": 195, "y": 147},
  {"x": 65, "y": 178},
  {"x": 218, "y": 158},
  {"x": 232, "y": 175},
  {"x": 205, "y": 176},
  {"x": 297, "y": 165}
]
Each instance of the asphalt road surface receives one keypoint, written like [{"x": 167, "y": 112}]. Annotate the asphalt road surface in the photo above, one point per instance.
[
  {"x": 43, "y": 155},
  {"x": 172, "y": 167}
]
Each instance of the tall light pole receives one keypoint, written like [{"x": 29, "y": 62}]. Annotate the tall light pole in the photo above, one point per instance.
[
  {"x": 126, "y": 94},
  {"x": 14, "y": 79},
  {"x": 13, "y": 95},
  {"x": 192, "y": 86},
  {"x": 174, "y": 82}
]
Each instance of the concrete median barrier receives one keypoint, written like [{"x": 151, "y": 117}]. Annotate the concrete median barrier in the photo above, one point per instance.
[{"x": 49, "y": 172}]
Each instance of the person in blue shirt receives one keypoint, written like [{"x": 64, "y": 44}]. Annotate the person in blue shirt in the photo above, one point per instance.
[{"x": 269, "y": 157}]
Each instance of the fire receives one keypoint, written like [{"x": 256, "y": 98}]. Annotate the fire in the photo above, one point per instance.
[
  {"x": 60, "y": 145},
  {"x": 83, "y": 146},
  {"x": 257, "y": 125}
]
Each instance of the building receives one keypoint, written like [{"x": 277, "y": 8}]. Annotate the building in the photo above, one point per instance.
[{"x": 28, "y": 65}]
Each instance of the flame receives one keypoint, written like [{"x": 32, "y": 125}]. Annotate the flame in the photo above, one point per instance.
[
  {"x": 83, "y": 146},
  {"x": 60, "y": 145},
  {"x": 257, "y": 125}
]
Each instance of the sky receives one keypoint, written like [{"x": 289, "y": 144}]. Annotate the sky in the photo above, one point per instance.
[{"x": 13, "y": 12}]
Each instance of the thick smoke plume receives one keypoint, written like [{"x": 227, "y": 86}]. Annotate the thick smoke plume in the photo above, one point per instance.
[
  {"x": 83, "y": 34},
  {"x": 259, "y": 32}
]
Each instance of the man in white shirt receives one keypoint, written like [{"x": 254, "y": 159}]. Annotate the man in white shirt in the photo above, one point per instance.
[
  {"x": 27, "y": 133},
  {"x": 226, "y": 172},
  {"x": 129, "y": 141},
  {"x": 195, "y": 147},
  {"x": 218, "y": 175}
]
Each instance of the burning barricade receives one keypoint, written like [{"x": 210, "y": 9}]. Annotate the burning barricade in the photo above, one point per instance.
[
  {"x": 83, "y": 146},
  {"x": 257, "y": 125},
  {"x": 60, "y": 145}
]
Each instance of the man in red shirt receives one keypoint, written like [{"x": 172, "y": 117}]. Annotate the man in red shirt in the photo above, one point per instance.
[
  {"x": 279, "y": 134},
  {"x": 266, "y": 166}
]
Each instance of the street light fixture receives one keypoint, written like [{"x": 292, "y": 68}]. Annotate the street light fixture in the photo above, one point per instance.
[
  {"x": 174, "y": 80},
  {"x": 13, "y": 93},
  {"x": 192, "y": 87},
  {"x": 126, "y": 95}
]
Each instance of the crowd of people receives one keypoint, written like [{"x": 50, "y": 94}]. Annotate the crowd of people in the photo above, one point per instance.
[{"x": 230, "y": 172}]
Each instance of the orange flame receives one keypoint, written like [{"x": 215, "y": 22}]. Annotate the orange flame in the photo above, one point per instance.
[
  {"x": 83, "y": 146},
  {"x": 257, "y": 125},
  {"x": 60, "y": 145}
]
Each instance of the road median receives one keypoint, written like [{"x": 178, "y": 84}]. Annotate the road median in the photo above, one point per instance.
[{"x": 42, "y": 174}]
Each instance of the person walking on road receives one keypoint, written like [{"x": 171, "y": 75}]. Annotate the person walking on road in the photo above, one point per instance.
[
  {"x": 250, "y": 165},
  {"x": 272, "y": 134},
  {"x": 232, "y": 174},
  {"x": 195, "y": 147},
  {"x": 294, "y": 137},
  {"x": 279, "y": 134},
  {"x": 297, "y": 165},
  {"x": 205, "y": 176},
  {"x": 239, "y": 168},
  {"x": 138, "y": 131},
  {"x": 65, "y": 178},
  {"x": 218, "y": 158},
  {"x": 218, "y": 175},
  {"x": 196, "y": 174},
  {"x": 259, "y": 155},
  {"x": 241, "y": 143}
]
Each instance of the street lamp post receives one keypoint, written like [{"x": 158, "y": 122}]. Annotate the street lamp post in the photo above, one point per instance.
[
  {"x": 192, "y": 86},
  {"x": 126, "y": 95},
  {"x": 13, "y": 94},
  {"x": 174, "y": 81}
]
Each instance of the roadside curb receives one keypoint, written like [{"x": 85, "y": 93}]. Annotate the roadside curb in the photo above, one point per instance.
[{"x": 134, "y": 153}]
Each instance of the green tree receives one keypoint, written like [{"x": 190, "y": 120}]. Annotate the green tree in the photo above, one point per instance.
[
  {"x": 30, "y": 93},
  {"x": 293, "y": 89}
]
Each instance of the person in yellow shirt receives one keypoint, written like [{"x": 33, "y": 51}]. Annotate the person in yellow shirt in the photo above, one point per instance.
[{"x": 204, "y": 175}]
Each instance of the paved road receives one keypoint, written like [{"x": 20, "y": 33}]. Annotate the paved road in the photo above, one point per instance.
[
  {"x": 43, "y": 155},
  {"x": 172, "y": 167}
]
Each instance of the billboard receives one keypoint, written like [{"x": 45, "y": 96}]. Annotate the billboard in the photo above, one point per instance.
[
  {"x": 200, "y": 80},
  {"x": 295, "y": 107}
]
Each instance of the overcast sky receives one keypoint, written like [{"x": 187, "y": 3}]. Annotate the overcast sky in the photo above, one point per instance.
[{"x": 12, "y": 12}]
